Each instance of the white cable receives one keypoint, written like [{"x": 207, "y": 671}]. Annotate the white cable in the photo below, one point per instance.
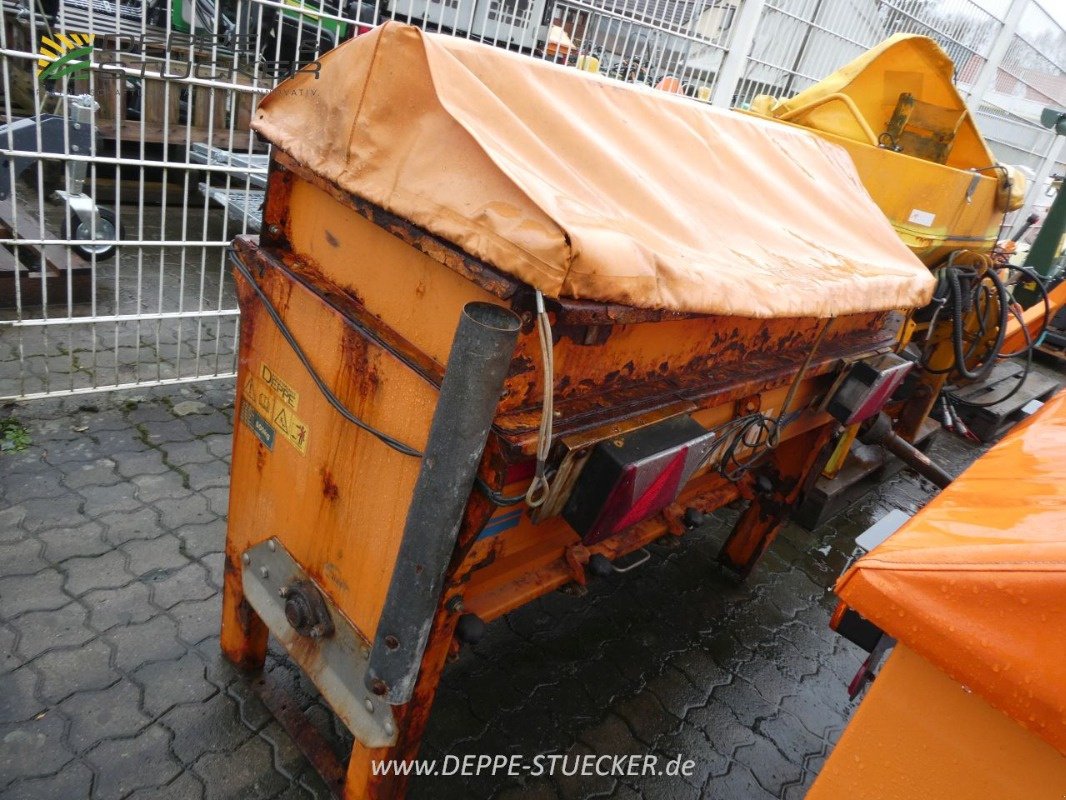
[{"x": 538, "y": 489}]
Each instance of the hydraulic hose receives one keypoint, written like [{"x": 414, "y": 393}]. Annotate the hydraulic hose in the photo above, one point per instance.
[
  {"x": 958, "y": 325},
  {"x": 963, "y": 288}
]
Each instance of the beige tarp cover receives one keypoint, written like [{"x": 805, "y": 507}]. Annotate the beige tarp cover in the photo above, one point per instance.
[{"x": 593, "y": 189}]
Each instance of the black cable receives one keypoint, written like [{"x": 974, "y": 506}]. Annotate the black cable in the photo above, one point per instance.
[
  {"x": 395, "y": 444},
  {"x": 1006, "y": 206},
  {"x": 961, "y": 302},
  {"x": 988, "y": 360},
  {"x": 496, "y": 498},
  {"x": 1021, "y": 381}
]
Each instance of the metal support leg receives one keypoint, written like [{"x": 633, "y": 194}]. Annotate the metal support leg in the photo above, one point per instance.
[
  {"x": 360, "y": 782},
  {"x": 789, "y": 467},
  {"x": 244, "y": 634}
]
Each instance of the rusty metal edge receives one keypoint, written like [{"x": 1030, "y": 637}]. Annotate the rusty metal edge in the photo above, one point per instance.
[{"x": 305, "y": 735}]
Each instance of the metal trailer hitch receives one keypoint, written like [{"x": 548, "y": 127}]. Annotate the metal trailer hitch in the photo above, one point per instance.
[{"x": 878, "y": 430}]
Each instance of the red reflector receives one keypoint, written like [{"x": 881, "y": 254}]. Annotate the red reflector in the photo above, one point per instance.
[
  {"x": 867, "y": 386},
  {"x": 657, "y": 496},
  {"x": 634, "y": 476}
]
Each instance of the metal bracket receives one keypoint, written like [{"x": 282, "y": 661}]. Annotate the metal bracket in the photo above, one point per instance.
[{"x": 336, "y": 663}]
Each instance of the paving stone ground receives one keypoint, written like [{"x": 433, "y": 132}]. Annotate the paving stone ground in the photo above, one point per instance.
[{"x": 112, "y": 526}]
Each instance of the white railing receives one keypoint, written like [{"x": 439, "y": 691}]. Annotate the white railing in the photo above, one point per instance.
[{"x": 162, "y": 159}]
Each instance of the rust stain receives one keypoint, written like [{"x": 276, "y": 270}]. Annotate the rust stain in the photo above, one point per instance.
[
  {"x": 273, "y": 265},
  {"x": 522, "y": 365},
  {"x": 329, "y": 486},
  {"x": 359, "y": 365}
]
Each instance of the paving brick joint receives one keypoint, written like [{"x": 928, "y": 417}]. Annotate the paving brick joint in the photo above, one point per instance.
[{"x": 112, "y": 527}]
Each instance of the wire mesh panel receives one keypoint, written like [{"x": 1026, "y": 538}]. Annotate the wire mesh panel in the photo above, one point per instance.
[
  {"x": 127, "y": 164},
  {"x": 674, "y": 45},
  {"x": 118, "y": 121},
  {"x": 1030, "y": 77},
  {"x": 799, "y": 42}
]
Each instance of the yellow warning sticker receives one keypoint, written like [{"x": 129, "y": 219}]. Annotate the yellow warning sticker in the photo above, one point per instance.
[
  {"x": 287, "y": 394},
  {"x": 276, "y": 407},
  {"x": 290, "y": 426}
]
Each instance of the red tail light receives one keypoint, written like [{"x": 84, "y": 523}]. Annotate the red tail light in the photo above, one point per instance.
[{"x": 631, "y": 478}]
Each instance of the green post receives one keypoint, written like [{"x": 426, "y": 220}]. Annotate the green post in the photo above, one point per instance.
[{"x": 1044, "y": 257}]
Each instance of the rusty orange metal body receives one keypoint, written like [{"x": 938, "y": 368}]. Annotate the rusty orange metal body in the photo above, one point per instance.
[
  {"x": 1033, "y": 320},
  {"x": 381, "y": 297},
  {"x": 480, "y": 361}
]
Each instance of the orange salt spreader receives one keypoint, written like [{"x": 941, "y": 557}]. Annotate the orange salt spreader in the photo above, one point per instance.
[
  {"x": 971, "y": 703},
  {"x": 487, "y": 350}
]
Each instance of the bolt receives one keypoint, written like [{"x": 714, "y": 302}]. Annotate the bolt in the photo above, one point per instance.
[
  {"x": 389, "y": 729},
  {"x": 284, "y": 591},
  {"x": 315, "y": 632},
  {"x": 247, "y": 559},
  {"x": 379, "y": 687},
  {"x": 272, "y": 545},
  {"x": 456, "y": 604},
  {"x": 392, "y": 642},
  {"x": 365, "y": 651},
  {"x": 369, "y": 705},
  {"x": 77, "y": 126},
  {"x": 273, "y": 229},
  {"x": 264, "y": 572},
  {"x": 74, "y": 148}
]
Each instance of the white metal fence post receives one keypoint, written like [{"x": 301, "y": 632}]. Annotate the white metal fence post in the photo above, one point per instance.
[
  {"x": 1051, "y": 158},
  {"x": 744, "y": 25},
  {"x": 986, "y": 78},
  {"x": 173, "y": 149}
]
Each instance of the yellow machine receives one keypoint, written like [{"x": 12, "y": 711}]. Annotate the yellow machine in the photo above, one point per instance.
[{"x": 896, "y": 111}]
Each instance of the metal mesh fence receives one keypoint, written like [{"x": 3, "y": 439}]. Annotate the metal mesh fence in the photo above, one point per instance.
[{"x": 127, "y": 164}]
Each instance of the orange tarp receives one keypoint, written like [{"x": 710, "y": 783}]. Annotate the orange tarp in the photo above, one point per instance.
[
  {"x": 593, "y": 189},
  {"x": 976, "y": 581}
]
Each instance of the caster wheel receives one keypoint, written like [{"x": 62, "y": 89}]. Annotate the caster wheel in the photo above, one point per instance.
[{"x": 108, "y": 228}]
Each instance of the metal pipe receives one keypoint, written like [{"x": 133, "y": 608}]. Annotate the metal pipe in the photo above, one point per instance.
[
  {"x": 477, "y": 366},
  {"x": 879, "y": 431}
]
